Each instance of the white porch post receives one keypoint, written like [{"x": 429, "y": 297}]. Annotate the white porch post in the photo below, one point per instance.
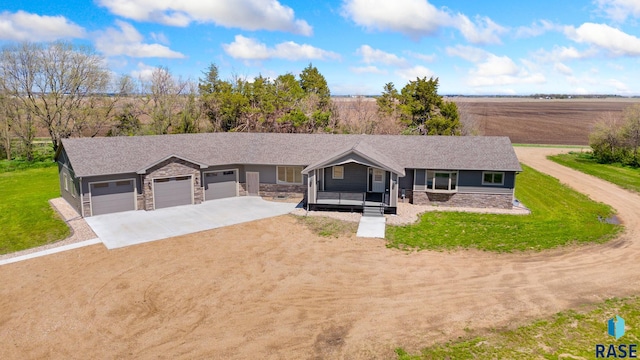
[
  {"x": 311, "y": 187},
  {"x": 393, "y": 186}
]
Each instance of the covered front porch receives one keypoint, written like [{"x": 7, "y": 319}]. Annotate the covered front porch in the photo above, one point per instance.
[{"x": 353, "y": 181}]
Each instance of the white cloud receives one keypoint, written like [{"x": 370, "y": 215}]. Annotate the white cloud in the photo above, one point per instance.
[
  {"x": 128, "y": 41},
  {"x": 376, "y": 56},
  {"x": 159, "y": 37},
  {"x": 612, "y": 40},
  {"x": 619, "y": 10},
  {"x": 536, "y": 29},
  {"x": 424, "y": 57},
  {"x": 619, "y": 86},
  {"x": 251, "y": 49},
  {"x": 371, "y": 69},
  {"x": 563, "y": 53},
  {"x": 419, "y": 18},
  {"x": 563, "y": 69},
  {"x": 243, "y": 14},
  {"x": 496, "y": 66},
  {"x": 144, "y": 72},
  {"x": 469, "y": 53},
  {"x": 483, "y": 31},
  {"x": 493, "y": 70},
  {"x": 418, "y": 71},
  {"x": 24, "y": 26}
]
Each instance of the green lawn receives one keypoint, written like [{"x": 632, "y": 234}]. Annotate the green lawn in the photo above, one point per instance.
[
  {"x": 559, "y": 216},
  {"x": 572, "y": 333},
  {"x": 623, "y": 176},
  {"x": 26, "y": 218}
]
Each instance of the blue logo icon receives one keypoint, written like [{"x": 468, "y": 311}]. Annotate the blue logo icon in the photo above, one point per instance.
[{"x": 615, "y": 327}]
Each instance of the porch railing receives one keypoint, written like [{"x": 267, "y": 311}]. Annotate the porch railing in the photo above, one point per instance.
[{"x": 343, "y": 198}]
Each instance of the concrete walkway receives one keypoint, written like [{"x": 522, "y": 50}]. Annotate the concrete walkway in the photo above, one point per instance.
[
  {"x": 136, "y": 227},
  {"x": 372, "y": 227},
  {"x": 50, "y": 251}
]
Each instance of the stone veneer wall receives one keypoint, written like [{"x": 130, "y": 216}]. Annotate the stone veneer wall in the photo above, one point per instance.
[
  {"x": 170, "y": 168},
  {"x": 86, "y": 206},
  {"x": 273, "y": 190},
  {"x": 500, "y": 201}
]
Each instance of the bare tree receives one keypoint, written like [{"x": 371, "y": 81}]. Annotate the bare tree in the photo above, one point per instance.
[
  {"x": 606, "y": 138},
  {"x": 99, "y": 111},
  {"x": 53, "y": 82},
  {"x": 631, "y": 131},
  {"x": 163, "y": 97},
  {"x": 6, "y": 118}
]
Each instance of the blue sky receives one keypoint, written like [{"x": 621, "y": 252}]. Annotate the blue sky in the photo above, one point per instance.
[{"x": 473, "y": 47}]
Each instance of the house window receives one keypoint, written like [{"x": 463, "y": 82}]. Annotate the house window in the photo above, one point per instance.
[
  {"x": 492, "y": 178},
  {"x": 338, "y": 172},
  {"x": 65, "y": 178},
  {"x": 289, "y": 174},
  {"x": 73, "y": 190},
  {"x": 442, "y": 180}
]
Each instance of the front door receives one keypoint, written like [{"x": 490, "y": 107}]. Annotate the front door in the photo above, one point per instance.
[
  {"x": 377, "y": 181},
  {"x": 253, "y": 183}
]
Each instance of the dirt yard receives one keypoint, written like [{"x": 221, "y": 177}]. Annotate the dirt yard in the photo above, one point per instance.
[{"x": 272, "y": 290}]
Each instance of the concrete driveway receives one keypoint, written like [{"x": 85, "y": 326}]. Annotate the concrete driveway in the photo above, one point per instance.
[{"x": 136, "y": 227}]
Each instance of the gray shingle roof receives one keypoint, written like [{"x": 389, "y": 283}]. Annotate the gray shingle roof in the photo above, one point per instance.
[{"x": 115, "y": 155}]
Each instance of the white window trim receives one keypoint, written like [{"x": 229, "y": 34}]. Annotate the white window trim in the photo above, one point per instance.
[
  {"x": 285, "y": 182},
  {"x": 492, "y": 183},
  {"x": 65, "y": 178},
  {"x": 333, "y": 172},
  {"x": 433, "y": 181}
]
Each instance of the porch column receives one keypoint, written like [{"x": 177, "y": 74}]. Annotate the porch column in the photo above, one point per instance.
[
  {"x": 312, "y": 187},
  {"x": 393, "y": 186}
]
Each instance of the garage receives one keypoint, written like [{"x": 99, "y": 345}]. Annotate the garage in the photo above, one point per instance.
[
  {"x": 113, "y": 196},
  {"x": 220, "y": 184},
  {"x": 173, "y": 191}
]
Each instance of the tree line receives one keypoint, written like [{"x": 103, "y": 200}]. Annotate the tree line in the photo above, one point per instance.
[
  {"x": 67, "y": 90},
  {"x": 617, "y": 139}
]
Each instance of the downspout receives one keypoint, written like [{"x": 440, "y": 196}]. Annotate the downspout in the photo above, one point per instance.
[{"x": 81, "y": 197}]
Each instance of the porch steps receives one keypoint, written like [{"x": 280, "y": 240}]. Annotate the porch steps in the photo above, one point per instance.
[{"x": 373, "y": 211}]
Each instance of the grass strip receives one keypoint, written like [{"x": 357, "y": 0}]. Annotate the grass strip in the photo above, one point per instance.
[
  {"x": 623, "y": 176},
  {"x": 566, "y": 335},
  {"x": 559, "y": 216}
]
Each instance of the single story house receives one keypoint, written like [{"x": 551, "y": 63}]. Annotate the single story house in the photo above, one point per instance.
[{"x": 339, "y": 172}]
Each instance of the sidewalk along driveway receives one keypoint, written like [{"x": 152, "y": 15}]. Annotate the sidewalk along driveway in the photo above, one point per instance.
[{"x": 136, "y": 227}]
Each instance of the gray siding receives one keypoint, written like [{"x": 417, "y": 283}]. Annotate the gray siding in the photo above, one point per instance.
[
  {"x": 72, "y": 193},
  {"x": 406, "y": 182},
  {"x": 473, "y": 178},
  {"x": 87, "y": 180},
  {"x": 470, "y": 181},
  {"x": 267, "y": 173},
  {"x": 241, "y": 170},
  {"x": 421, "y": 175},
  {"x": 355, "y": 179}
]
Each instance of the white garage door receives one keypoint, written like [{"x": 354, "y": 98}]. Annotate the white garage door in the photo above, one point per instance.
[
  {"x": 113, "y": 196},
  {"x": 172, "y": 192},
  {"x": 220, "y": 184}
]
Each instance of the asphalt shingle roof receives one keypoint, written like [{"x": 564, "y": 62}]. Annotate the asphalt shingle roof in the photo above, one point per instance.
[{"x": 116, "y": 155}]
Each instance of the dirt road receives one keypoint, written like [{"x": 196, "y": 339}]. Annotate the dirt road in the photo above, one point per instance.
[{"x": 272, "y": 290}]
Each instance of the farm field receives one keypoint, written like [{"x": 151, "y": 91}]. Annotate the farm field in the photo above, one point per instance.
[
  {"x": 272, "y": 289},
  {"x": 540, "y": 121}
]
